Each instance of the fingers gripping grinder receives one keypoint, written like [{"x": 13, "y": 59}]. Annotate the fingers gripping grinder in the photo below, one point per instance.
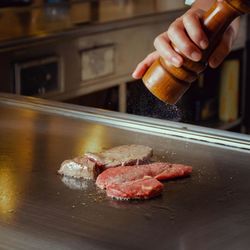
[{"x": 169, "y": 83}]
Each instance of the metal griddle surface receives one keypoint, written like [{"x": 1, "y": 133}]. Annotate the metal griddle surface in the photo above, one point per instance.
[{"x": 40, "y": 210}]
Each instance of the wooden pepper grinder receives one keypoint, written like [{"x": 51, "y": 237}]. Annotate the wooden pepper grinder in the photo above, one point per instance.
[{"x": 167, "y": 82}]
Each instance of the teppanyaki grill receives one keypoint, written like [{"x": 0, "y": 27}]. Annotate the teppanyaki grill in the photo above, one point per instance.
[{"x": 210, "y": 210}]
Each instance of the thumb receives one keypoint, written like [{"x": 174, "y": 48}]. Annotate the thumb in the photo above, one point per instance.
[{"x": 223, "y": 49}]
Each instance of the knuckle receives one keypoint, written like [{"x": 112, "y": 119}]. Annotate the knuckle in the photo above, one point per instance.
[
  {"x": 156, "y": 41},
  {"x": 169, "y": 32},
  {"x": 187, "y": 49},
  {"x": 172, "y": 29},
  {"x": 141, "y": 64},
  {"x": 198, "y": 36},
  {"x": 148, "y": 57},
  {"x": 177, "y": 20},
  {"x": 187, "y": 17},
  {"x": 167, "y": 55},
  {"x": 151, "y": 54}
]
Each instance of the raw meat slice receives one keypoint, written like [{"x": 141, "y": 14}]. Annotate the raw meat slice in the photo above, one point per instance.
[
  {"x": 122, "y": 156},
  {"x": 174, "y": 171},
  {"x": 145, "y": 188},
  {"x": 158, "y": 170},
  {"x": 80, "y": 167}
]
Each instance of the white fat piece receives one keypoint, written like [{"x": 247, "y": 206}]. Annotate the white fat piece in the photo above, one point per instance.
[{"x": 79, "y": 167}]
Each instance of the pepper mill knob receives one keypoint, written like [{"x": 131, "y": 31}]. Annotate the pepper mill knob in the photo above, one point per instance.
[{"x": 167, "y": 82}]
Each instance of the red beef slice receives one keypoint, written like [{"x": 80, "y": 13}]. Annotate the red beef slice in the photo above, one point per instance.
[
  {"x": 145, "y": 188},
  {"x": 158, "y": 170}
]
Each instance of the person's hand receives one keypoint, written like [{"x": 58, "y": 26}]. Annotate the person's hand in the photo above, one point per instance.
[{"x": 187, "y": 35}]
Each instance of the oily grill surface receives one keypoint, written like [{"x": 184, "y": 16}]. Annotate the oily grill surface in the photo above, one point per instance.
[{"x": 39, "y": 209}]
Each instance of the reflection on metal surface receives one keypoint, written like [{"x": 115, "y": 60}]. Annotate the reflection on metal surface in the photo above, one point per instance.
[
  {"x": 8, "y": 189},
  {"x": 16, "y": 161},
  {"x": 94, "y": 141}
]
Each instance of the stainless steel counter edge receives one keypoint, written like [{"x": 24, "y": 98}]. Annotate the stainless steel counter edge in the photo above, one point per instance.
[{"x": 132, "y": 122}]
